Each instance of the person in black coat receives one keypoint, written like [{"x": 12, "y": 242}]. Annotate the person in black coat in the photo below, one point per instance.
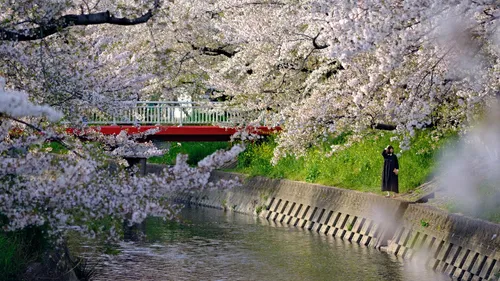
[{"x": 391, "y": 170}]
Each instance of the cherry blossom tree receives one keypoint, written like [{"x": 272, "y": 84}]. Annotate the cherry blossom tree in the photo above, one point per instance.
[
  {"x": 321, "y": 68},
  {"x": 51, "y": 51},
  {"x": 327, "y": 67},
  {"x": 318, "y": 68}
]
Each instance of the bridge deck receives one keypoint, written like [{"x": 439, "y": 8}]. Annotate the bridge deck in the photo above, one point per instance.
[{"x": 180, "y": 133}]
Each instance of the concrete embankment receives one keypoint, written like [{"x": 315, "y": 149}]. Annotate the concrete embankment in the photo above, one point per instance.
[{"x": 462, "y": 247}]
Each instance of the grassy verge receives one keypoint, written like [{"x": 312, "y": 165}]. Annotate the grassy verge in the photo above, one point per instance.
[
  {"x": 195, "y": 150},
  {"x": 10, "y": 263},
  {"x": 54, "y": 147},
  {"x": 358, "y": 167}
]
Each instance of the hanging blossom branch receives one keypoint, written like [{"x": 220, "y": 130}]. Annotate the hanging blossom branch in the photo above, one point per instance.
[
  {"x": 82, "y": 191},
  {"x": 15, "y": 104},
  {"x": 51, "y": 137},
  {"x": 123, "y": 144},
  {"x": 56, "y": 25}
]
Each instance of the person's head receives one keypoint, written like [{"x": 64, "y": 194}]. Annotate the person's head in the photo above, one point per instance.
[{"x": 390, "y": 149}]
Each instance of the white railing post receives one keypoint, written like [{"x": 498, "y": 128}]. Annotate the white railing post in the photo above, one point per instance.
[
  {"x": 182, "y": 112},
  {"x": 158, "y": 114},
  {"x": 168, "y": 113}
]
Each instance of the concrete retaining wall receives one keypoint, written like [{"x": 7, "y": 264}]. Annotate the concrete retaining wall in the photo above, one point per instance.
[
  {"x": 358, "y": 217},
  {"x": 465, "y": 248},
  {"x": 462, "y": 247}
]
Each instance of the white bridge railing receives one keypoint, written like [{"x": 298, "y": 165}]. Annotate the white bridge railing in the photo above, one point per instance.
[{"x": 171, "y": 113}]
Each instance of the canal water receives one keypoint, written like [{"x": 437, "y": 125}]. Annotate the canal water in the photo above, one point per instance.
[{"x": 211, "y": 244}]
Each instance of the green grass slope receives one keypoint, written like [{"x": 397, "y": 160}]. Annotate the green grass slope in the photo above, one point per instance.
[
  {"x": 196, "y": 151},
  {"x": 358, "y": 167}
]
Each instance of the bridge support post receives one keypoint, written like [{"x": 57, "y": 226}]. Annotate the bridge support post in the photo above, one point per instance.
[{"x": 137, "y": 161}]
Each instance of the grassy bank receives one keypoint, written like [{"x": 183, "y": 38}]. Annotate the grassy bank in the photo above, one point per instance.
[
  {"x": 195, "y": 151},
  {"x": 19, "y": 249},
  {"x": 482, "y": 202},
  {"x": 358, "y": 167},
  {"x": 12, "y": 262}
]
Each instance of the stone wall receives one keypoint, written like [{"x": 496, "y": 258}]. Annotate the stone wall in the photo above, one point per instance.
[{"x": 465, "y": 248}]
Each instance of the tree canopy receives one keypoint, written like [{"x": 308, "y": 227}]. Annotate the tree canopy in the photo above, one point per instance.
[{"x": 319, "y": 68}]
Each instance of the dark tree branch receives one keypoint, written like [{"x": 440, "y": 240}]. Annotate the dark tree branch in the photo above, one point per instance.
[
  {"x": 316, "y": 45},
  {"x": 286, "y": 65},
  {"x": 389, "y": 127},
  {"x": 314, "y": 40},
  {"x": 214, "y": 51},
  {"x": 219, "y": 51},
  {"x": 385, "y": 127},
  {"x": 56, "y": 25}
]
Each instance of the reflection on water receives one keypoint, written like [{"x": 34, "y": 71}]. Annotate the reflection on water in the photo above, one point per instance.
[{"x": 213, "y": 245}]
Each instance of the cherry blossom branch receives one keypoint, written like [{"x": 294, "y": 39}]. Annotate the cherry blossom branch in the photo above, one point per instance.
[
  {"x": 54, "y": 138},
  {"x": 56, "y": 25}
]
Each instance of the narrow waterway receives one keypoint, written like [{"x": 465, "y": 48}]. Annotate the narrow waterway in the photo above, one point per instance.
[{"x": 215, "y": 245}]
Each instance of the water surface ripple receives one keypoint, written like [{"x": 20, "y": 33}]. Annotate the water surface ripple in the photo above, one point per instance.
[{"x": 215, "y": 245}]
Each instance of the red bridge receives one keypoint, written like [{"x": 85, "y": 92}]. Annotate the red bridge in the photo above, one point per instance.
[
  {"x": 176, "y": 133},
  {"x": 173, "y": 121}
]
